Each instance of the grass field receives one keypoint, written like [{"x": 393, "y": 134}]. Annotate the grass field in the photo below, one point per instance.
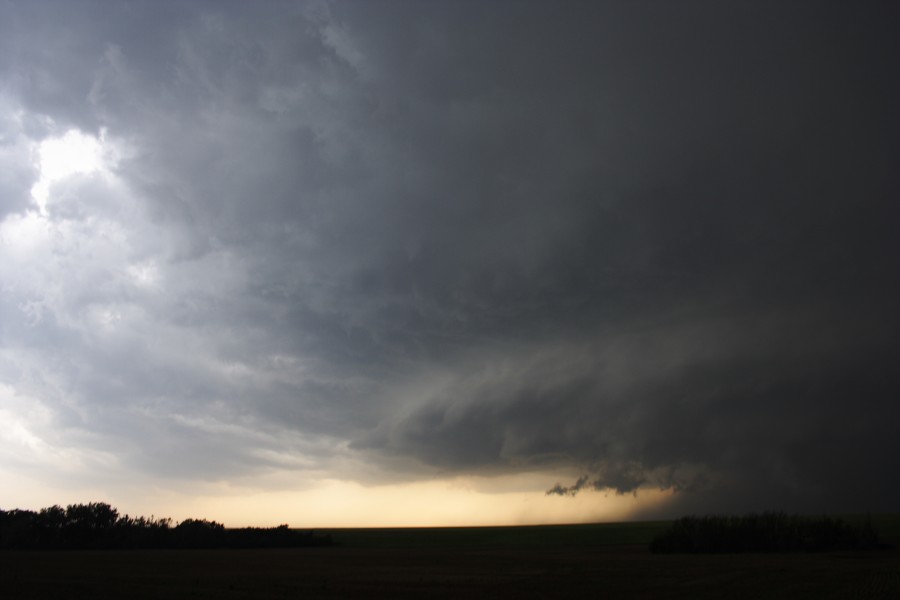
[
  {"x": 595, "y": 534},
  {"x": 600, "y": 534},
  {"x": 603, "y": 561}
]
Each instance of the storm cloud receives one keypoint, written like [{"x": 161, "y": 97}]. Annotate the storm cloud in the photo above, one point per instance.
[{"x": 639, "y": 245}]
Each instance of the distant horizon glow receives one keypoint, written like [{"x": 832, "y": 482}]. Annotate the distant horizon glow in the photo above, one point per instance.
[{"x": 456, "y": 502}]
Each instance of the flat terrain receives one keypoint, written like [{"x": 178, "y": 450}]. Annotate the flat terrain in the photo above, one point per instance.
[{"x": 604, "y": 561}]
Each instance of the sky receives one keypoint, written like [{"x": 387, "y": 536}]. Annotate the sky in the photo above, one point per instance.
[{"x": 449, "y": 263}]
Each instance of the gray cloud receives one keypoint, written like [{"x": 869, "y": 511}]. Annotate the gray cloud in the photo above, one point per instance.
[
  {"x": 653, "y": 244},
  {"x": 689, "y": 407}
]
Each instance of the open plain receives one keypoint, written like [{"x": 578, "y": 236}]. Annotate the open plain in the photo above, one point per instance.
[{"x": 604, "y": 561}]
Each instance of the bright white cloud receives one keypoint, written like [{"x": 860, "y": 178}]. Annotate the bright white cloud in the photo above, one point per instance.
[
  {"x": 57, "y": 158},
  {"x": 144, "y": 274}
]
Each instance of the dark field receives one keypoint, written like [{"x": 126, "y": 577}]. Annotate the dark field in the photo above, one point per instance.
[{"x": 605, "y": 561}]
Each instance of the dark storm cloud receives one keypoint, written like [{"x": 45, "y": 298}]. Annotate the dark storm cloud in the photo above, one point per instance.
[
  {"x": 690, "y": 405},
  {"x": 652, "y": 242},
  {"x": 734, "y": 180},
  {"x": 16, "y": 170}
]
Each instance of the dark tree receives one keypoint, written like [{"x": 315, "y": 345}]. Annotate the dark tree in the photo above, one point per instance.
[{"x": 98, "y": 525}]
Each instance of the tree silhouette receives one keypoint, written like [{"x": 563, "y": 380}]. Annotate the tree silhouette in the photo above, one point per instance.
[
  {"x": 99, "y": 525},
  {"x": 766, "y": 532}
]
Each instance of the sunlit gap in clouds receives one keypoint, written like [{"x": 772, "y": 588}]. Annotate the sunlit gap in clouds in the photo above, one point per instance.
[{"x": 70, "y": 154}]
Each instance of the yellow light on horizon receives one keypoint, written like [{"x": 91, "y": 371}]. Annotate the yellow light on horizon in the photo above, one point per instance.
[
  {"x": 332, "y": 503},
  {"x": 441, "y": 503}
]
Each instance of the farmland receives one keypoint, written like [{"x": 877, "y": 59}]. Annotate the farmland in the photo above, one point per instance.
[{"x": 608, "y": 560}]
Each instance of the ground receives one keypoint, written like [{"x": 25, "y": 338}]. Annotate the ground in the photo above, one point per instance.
[{"x": 605, "y": 561}]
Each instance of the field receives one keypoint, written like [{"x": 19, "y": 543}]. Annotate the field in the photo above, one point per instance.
[{"x": 604, "y": 561}]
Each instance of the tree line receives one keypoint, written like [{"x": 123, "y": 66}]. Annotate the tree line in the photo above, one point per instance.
[
  {"x": 766, "y": 532},
  {"x": 98, "y": 525}
]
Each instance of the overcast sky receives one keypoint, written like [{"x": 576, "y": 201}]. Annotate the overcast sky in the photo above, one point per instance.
[{"x": 271, "y": 258}]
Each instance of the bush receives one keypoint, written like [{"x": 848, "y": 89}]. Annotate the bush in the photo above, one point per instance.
[
  {"x": 766, "y": 532},
  {"x": 98, "y": 525}
]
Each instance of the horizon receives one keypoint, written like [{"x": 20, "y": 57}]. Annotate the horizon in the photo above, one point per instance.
[
  {"x": 657, "y": 520},
  {"x": 342, "y": 504},
  {"x": 449, "y": 264}
]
